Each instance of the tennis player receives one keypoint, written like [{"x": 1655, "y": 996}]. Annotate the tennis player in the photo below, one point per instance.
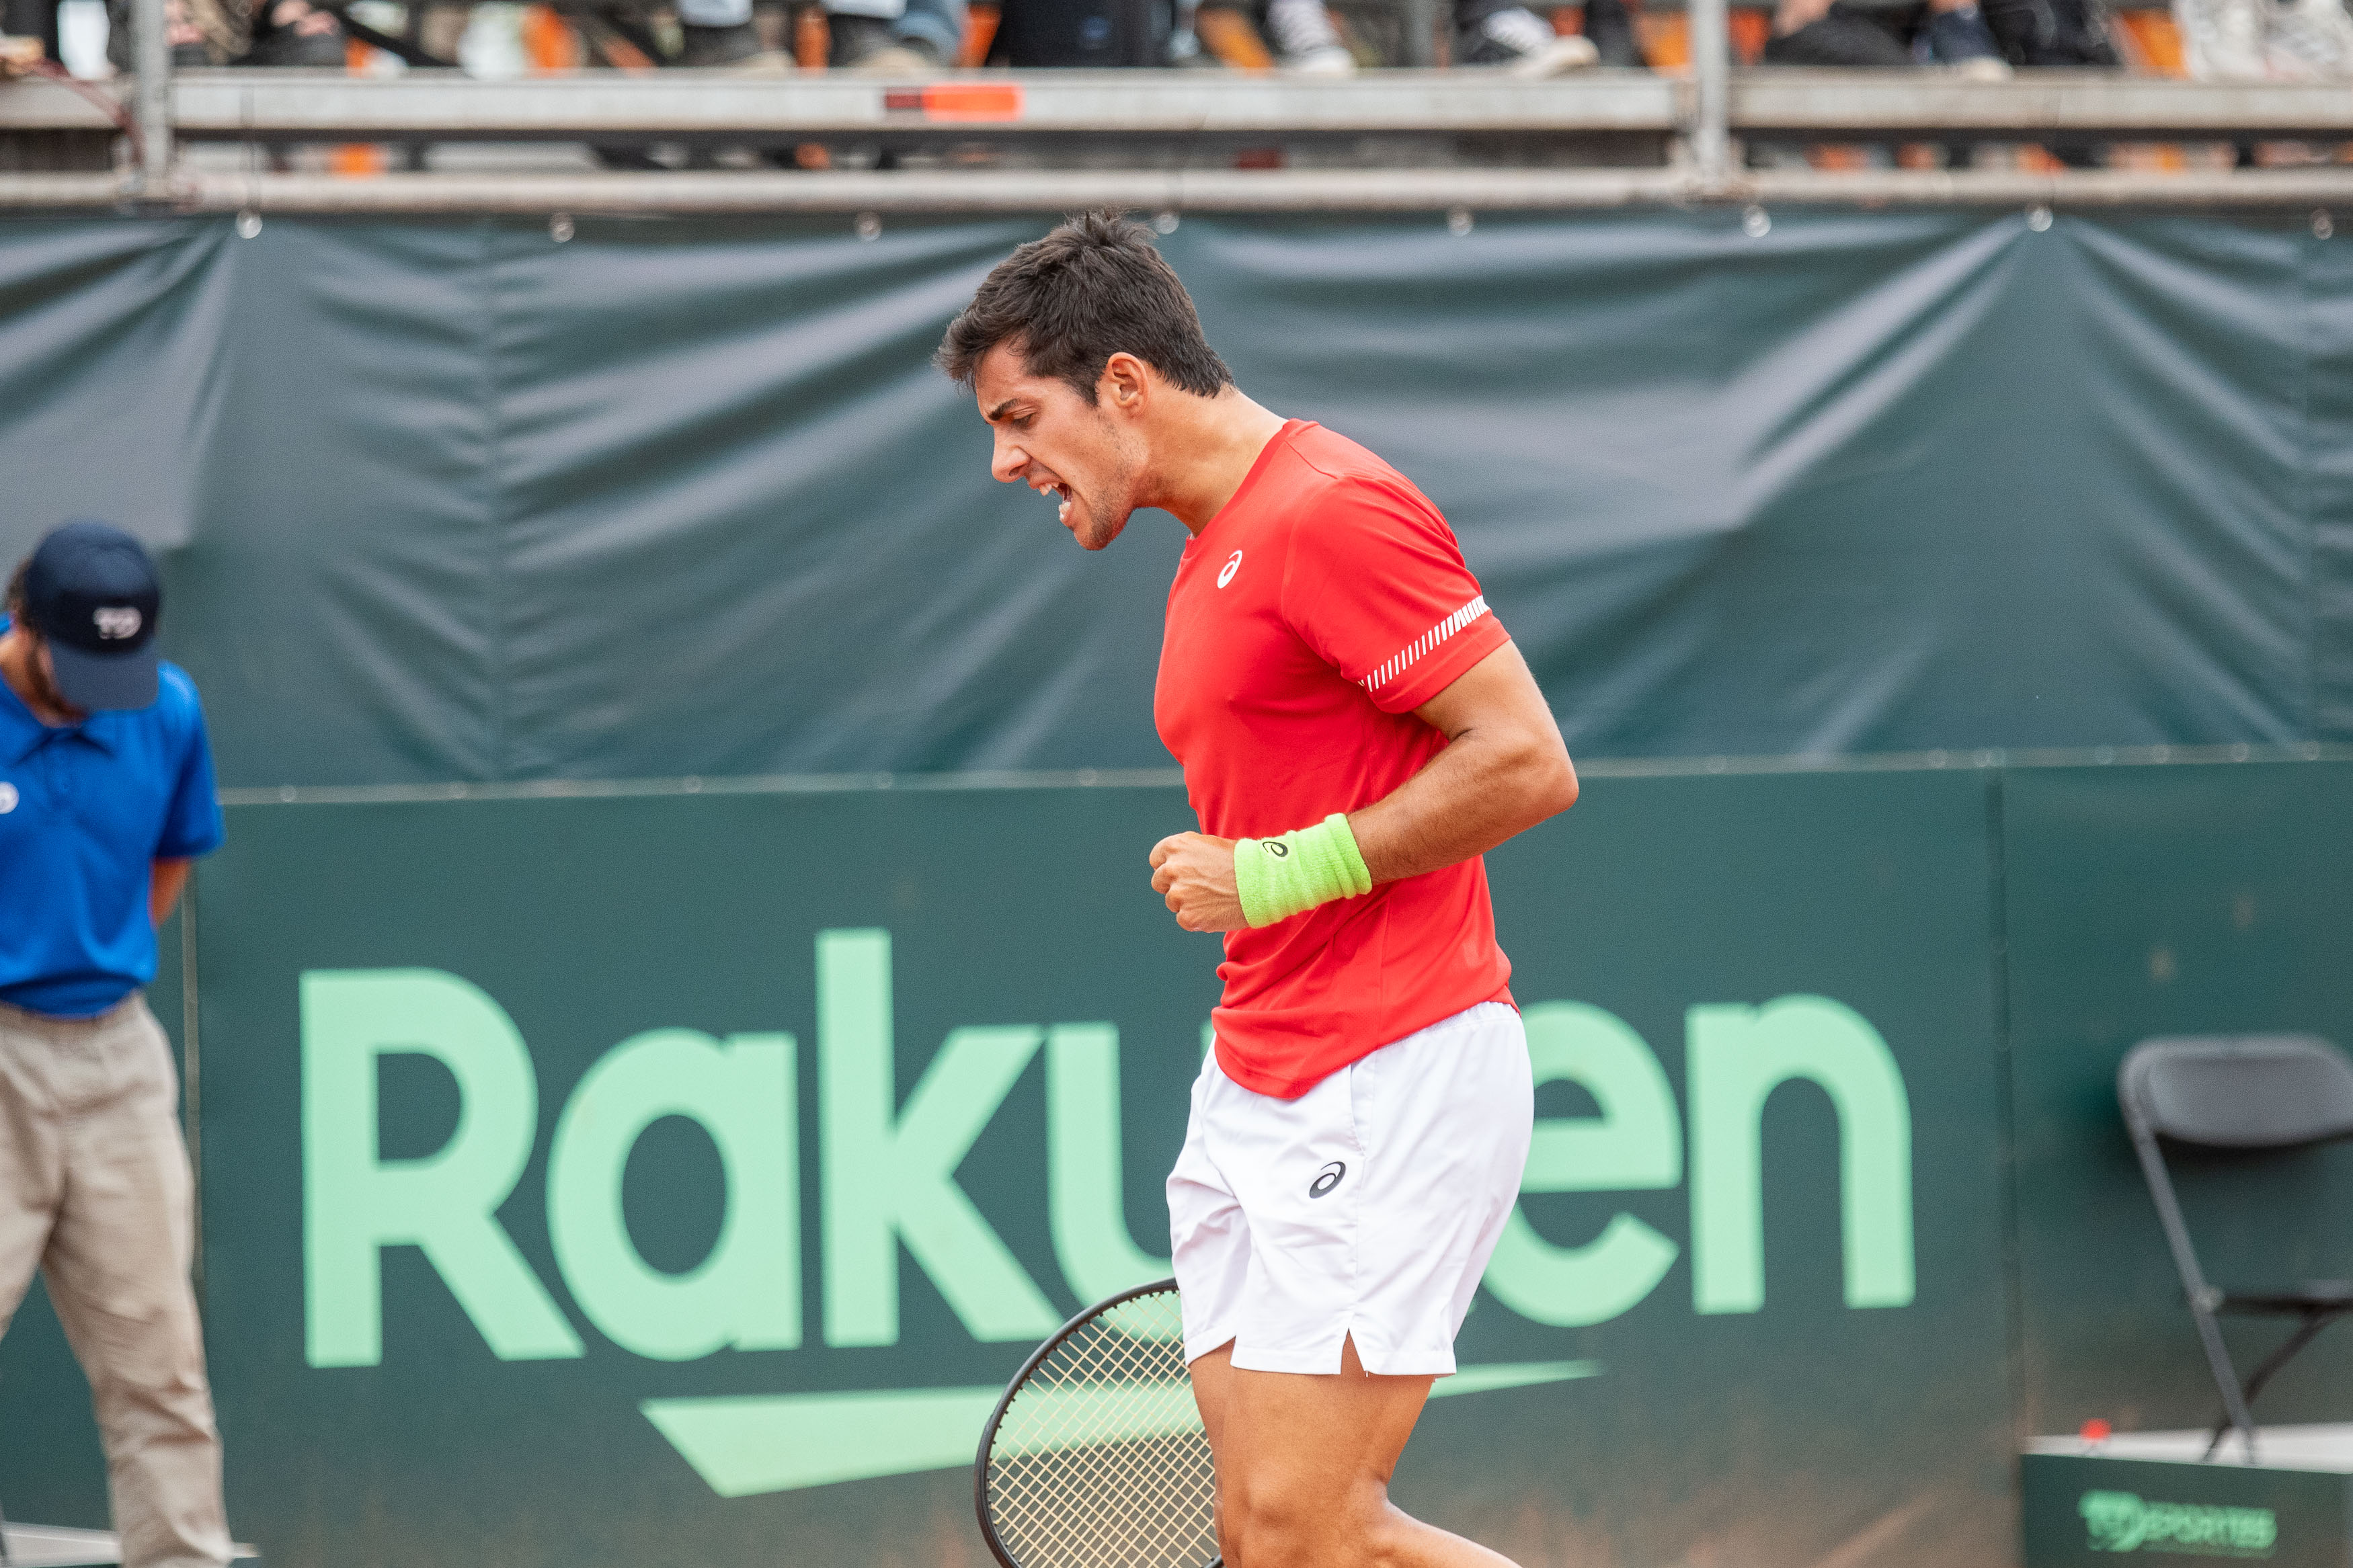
[{"x": 1356, "y": 729}]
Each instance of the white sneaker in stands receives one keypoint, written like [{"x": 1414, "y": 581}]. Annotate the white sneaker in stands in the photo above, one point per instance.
[
  {"x": 1306, "y": 43},
  {"x": 1521, "y": 42}
]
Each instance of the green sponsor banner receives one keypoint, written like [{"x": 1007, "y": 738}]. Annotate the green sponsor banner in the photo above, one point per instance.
[
  {"x": 2125, "y": 1522},
  {"x": 592, "y": 1179},
  {"x": 587, "y": 1179},
  {"x": 2090, "y": 1510}
]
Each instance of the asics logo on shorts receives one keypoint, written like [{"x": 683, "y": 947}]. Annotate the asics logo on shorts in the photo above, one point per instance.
[{"x": 1327, "y": 1178}]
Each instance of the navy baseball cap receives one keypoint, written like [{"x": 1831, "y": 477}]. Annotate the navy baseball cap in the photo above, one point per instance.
[{"x": 90, "y": 592}]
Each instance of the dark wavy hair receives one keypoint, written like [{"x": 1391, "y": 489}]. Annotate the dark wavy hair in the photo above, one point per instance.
[{"x": 1093, "y": 287}]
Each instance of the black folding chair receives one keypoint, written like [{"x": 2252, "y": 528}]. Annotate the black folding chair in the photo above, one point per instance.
[{"x": 2252, "y": 1095}]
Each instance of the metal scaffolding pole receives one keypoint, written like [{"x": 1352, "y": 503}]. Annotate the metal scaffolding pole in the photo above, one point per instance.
[
  {"x": 151, "y": 55},
  {"x": 1711, "y": 55}
]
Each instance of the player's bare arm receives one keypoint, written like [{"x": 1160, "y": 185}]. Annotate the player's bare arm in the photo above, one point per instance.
[{"x": 1505, "y": 769}]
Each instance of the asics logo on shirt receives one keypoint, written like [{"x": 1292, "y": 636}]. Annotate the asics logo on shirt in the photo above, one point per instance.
[
  {"x": 1327, "y": 1178},
  {"x": 1233, "y": 565},
  {"x": 116, "y": 623}
]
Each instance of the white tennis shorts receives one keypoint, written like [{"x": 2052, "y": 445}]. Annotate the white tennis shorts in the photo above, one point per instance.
[{"x": 1367, "y": 1207}]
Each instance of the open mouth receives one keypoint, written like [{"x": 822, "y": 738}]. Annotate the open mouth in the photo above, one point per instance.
[{"x": 1061, "y": 494}]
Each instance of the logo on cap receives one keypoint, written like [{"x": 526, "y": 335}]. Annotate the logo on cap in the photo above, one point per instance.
[{"x": 90, "y": 591}]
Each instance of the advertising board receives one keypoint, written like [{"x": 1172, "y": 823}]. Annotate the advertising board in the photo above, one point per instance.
[{"x": 594, "y": 1180}]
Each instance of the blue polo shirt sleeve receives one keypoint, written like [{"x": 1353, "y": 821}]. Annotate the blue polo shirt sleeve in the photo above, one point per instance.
[{"x": 192, "y": 823}]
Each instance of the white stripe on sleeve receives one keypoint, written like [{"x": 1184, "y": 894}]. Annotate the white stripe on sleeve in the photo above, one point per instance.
[{"x": 1427, "y": 642}]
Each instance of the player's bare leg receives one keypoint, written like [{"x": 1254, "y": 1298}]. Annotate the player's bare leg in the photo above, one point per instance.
[{"x": 1303, "y": 1465}]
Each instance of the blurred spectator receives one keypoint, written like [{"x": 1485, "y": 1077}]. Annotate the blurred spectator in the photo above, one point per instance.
[
  {"x": 892, "y": 37},
  {"x": 2265, "y": 40},
  {"x": 2067, "y": 34},
  {"x": 1303, "y": 39},
  {"x": 1610, "y": 27},
  {"x": 1503, "y": 34},
  {"x": 33, "y": 19},
  {"x": 1881, "y": 35},
  {"x": 1506, "y": 34},
  {"x": 295, "y": 33},
  {"x": 200, "y": 32},
  {"x": 1092, "y": 34},
  {"x": 232, "y": 32},
  {"x": 719, "y": 34}
]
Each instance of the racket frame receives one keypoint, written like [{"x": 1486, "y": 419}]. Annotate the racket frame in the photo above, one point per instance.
[{"x": 1004, "y": 1402}]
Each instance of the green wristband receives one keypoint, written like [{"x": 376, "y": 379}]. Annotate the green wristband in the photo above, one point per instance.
[{"x": 1279, "y": 878}]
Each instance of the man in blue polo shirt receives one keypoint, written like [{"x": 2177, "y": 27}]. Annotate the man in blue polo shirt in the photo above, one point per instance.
[{"x": 106, "y": 795}]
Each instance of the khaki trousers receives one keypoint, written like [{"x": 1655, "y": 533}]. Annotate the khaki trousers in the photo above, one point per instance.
[{"x": 95, "y": 1192}]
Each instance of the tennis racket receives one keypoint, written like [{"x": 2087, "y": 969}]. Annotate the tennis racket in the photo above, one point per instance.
[{"x": 1095, "y": 1457}]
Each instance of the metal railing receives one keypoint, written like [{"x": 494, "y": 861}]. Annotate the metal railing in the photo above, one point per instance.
[{"x": 1038, "y": 106}]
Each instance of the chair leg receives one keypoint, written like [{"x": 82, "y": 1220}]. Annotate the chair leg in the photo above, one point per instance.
[
  {"x": 2304, "y": 1334},
  {"x": 2226, "y": 1382},
  {"x": 2202, "y": 1298},
  {"x": 2313, "y": 1323}
]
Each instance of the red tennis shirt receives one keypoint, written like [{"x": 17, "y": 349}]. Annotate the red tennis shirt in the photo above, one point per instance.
[{"x": 1318, "y": 609}]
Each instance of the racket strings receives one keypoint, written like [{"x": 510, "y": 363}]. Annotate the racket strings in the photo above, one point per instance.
[{"x": 1099, "y": 1461}]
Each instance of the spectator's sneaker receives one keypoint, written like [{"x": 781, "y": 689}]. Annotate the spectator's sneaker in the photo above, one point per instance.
[
  {"x": 1519, "y": 41},
  {"x": 872, "y": 46},
  {"x": 1962, "y": 40},
  {"x": 1304, "y": 40}
]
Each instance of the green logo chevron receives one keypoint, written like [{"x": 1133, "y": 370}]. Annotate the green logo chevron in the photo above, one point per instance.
[{"x": 748, "y": 1444}]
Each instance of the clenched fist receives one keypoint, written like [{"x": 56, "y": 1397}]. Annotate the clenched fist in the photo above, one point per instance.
[{"x": 1196, "y": 874}]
